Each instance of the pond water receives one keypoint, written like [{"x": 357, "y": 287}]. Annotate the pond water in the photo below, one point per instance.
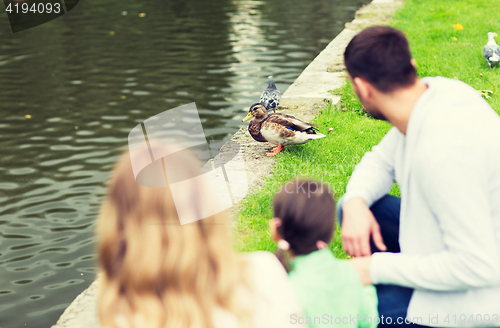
[{"x": 86, "y": 79}]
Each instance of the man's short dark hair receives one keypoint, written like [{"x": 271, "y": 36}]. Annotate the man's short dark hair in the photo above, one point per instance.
[{"x": 381, "y": 56}]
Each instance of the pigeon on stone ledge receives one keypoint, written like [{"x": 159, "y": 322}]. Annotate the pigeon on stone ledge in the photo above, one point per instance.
[
  {"x": 491, "y": 50},
  {"x": 271, "y": 96}
]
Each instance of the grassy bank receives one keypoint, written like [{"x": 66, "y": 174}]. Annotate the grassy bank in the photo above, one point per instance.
[{"x": 439, "y": 48}]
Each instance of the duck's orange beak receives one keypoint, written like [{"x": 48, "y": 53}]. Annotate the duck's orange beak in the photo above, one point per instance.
[{"x": 249, "y": 116}]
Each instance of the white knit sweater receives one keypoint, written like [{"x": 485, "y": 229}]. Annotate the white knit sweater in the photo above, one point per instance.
[{"x": 448, "y": 170}]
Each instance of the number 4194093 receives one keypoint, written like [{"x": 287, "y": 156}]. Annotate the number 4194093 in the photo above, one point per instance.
[
  {"x": 486, "y": 318},
  {"x": 40, "y": 8}
]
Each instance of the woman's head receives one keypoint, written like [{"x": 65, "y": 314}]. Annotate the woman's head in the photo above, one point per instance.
[
  {"x": 154, "y": 268},
  {"x": 304, "y": 213}
]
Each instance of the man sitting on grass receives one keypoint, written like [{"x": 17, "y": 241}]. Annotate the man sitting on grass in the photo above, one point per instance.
[{"x": 441, "y": 265}]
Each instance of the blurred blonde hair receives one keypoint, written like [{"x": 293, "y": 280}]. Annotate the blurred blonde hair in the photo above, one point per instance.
[{"x": 156, "y": 272}]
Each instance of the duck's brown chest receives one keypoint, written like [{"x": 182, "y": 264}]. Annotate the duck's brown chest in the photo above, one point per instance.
[{"x": 254, "y": 130}]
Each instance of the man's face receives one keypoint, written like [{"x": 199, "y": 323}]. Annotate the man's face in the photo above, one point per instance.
[{"x": 368, "y": 106}]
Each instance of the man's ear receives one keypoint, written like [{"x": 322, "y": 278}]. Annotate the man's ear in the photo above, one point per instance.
[
  {"x": 413, "y": 62},
  {"x": 363, "y": 87},
  {"x": 274, "y": 223}
]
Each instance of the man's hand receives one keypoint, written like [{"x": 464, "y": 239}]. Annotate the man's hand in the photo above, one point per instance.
[
  {"x": 358, "y": 223},
  {"x": 362, "y": 267}
]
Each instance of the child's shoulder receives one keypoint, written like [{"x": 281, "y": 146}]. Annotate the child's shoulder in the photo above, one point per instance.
[
  {"x": 321, "y": 267},
  {"x": 326, "y": 259},
  {"x": 344, "y": 265},
  {"x": 346, "y": 273}
]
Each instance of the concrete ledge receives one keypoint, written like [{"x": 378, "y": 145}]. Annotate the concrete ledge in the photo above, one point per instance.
[
  {"x": 82, "y": 312},
  {"x": 301, "y": 99}
]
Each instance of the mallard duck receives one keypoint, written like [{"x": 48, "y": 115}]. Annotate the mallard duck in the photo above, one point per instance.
[
  {"x": 491, "y": 50},
  {"x": 271, "y": 96},
  {"x": 279, "y": 129}
]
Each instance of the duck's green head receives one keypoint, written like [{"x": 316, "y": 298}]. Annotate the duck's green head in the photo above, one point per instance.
[{"x": 256, "y": 110}]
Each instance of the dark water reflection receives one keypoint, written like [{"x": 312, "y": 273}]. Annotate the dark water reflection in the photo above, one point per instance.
[{"x": 87, "y": 79}]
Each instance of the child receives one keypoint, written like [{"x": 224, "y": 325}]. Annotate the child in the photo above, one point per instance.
[{"x": 328, "y": 288}]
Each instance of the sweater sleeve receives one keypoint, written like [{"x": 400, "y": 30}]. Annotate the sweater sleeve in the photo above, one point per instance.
[
  {"x": 452, "y": 180},
  {"x": 374, "y": 176}
]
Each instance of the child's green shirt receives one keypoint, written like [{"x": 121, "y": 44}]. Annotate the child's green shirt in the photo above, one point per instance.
[{"x": 331, "y": 293}]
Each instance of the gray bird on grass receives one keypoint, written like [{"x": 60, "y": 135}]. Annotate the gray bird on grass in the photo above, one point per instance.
[
  {"x": 271, "y": 96},
  {"x": 491, "y": 50}
]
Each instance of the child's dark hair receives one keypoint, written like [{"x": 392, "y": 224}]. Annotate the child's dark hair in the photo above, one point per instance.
[{"x": 307, "y": 212}]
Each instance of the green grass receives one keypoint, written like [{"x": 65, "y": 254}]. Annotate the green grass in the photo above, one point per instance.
[{"x": 439, "y": 49}]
